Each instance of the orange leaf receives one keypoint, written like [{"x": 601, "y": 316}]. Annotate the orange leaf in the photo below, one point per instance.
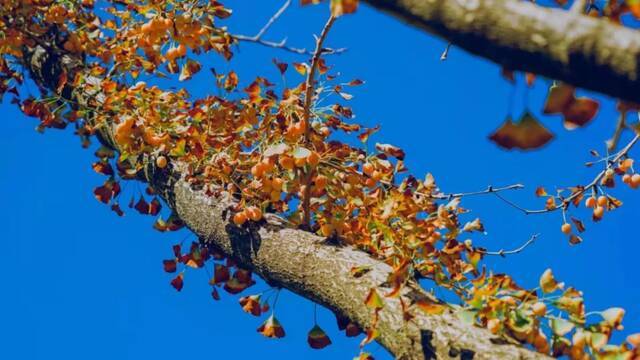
[
  {"x": 271, "y": 328},
  {"x": 528, "y": 133},
  {"x": 579, "y": 112}
]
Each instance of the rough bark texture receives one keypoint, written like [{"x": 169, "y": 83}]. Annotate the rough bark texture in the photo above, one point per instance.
[
  {"x": 300, "y": 261},
  {"x": 590, "y": 53}
]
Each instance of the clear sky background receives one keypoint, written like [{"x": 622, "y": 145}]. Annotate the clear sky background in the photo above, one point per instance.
[{"x": 80, "y": 283}]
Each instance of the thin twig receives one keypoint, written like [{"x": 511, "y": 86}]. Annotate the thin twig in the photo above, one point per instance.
[
  {"x": 565, "y": 202},
  {"x": 490, "y": 189},
  {"x": 257, "y": 38},
  {"x": 440, "y": 196},
  {"x": 612, "y": 143},
  {"x": 445, "y": 53},
  {"x": 306, "y": 114},
  {"x": 282, "y": 45},
  {"x": 503, "y": 252},
  {"x": 273, "y": 19}
]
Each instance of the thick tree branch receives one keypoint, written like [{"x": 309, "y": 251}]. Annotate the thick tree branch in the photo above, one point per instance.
[
  {"x": 300, "y": 261},
  {"x": 590, "y": 53}
]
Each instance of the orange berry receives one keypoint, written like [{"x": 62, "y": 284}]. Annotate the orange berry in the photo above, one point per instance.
[
  {"x": 602, "y": 200},
  {"x": 286, "y": 162},
  {"x": 626, "y": 178},
  {"x": 493, "y": 325},
  {"x": 300, "y": 162},
  {"x": 274, "y": 196},
  {"x": 376, "y": 175},
  {"x": 626, "y": 164},
  {"x": 313, "y": 159},
  {"x": 368, "y": 169},
  {"x": 254, "y": 213},
  {"x": 161, "y": 162},
  {"x": 240, "y": 218},
  {"x": 321, "y": 182},
  {"x": 591, "y": 202},
  {"x": 598, "y": 213},
  {"x": 257, "y": 170},
  {"x": 566, "y": 228},
  {"x": 635, "y": 181},
  {"x": 539, "y": 308},
  {"x": 277, "y": 183}
]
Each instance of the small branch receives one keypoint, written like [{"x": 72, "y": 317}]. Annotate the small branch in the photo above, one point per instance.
[
  {"x": 308, "y": 101},
  {"x": 282, "y": 44},
  {"x": 565, "y": 202},
  {"x": 273, "y": 20},
  {"x": 612, "y": 143},
  {"x": 445, "y": 53},
  {"x": 490, "y": 190},
  {"x": 503, "y": 253}
]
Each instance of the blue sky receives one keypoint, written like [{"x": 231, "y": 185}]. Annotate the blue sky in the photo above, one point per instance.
[{"x": 79, "y": 282}]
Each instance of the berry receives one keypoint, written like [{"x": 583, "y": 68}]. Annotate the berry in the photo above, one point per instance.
[
  {"x": 254, "y": 213},
  {"x": 566, "y": 228},
  {"x": 240, "y": 218},
  {"x": 591, "y": 202},
  {"x": 602, "y": 200},
  {"x": 539, "y": 309},
  {"x": 161, "y": 162},
  {"x": 598, "y": 213}
]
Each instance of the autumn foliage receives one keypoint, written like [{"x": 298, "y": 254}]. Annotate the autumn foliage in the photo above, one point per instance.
[{"x": 275, "y": 152}]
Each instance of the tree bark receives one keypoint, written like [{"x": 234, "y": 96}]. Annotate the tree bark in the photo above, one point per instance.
[
  {"x": 298, "y": 260},
  {"x": 590, "y": 53}
]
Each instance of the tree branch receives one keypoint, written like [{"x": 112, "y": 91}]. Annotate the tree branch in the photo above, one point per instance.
[
  {"x": 300, "y": 261},
  {"x": 586, "y": 52}
]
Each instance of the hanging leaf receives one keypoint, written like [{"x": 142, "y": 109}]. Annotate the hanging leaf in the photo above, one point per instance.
[
  {"x": 548, "y": 283},
  {"x": 271, "y": 328},
  {"x": 372, "y": 334},
  {"x": 579, "y": 112},
  {"x": 341, "y": 7},
  {"x": 317, "y": 338},
  {"x": 251, "y": 305},
  {"x": 170, "y": 266},
  {"x": 391, "y": 150},
  {"x": 527, "y": 134},
  {"x": 558, "y": 98},
  {"x": 613, "y": 316},
  {"x": 178, "y": 282},
  {"x": 560, "y": 326},
  {"x": 373, "y": 300}
]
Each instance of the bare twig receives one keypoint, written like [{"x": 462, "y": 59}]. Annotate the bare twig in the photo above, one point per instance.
[
  {"x": 566, "y": 201},
  {"x": 308, "y": 101},
  {"x": 273, "y": 19},
  {"x": 503, "y": 252},
  {"x": 445, "y": 53},
  {"x": 612, "y": 143},
  {"x": 490, "y": 190},
  {"x": 282, "y": 44}
]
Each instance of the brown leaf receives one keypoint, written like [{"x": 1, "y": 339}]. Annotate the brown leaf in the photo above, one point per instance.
[
  {"x": 559, "y": 97},
  {"x": 528, "y": 133},
  {"x": 579, "y": 112}
]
